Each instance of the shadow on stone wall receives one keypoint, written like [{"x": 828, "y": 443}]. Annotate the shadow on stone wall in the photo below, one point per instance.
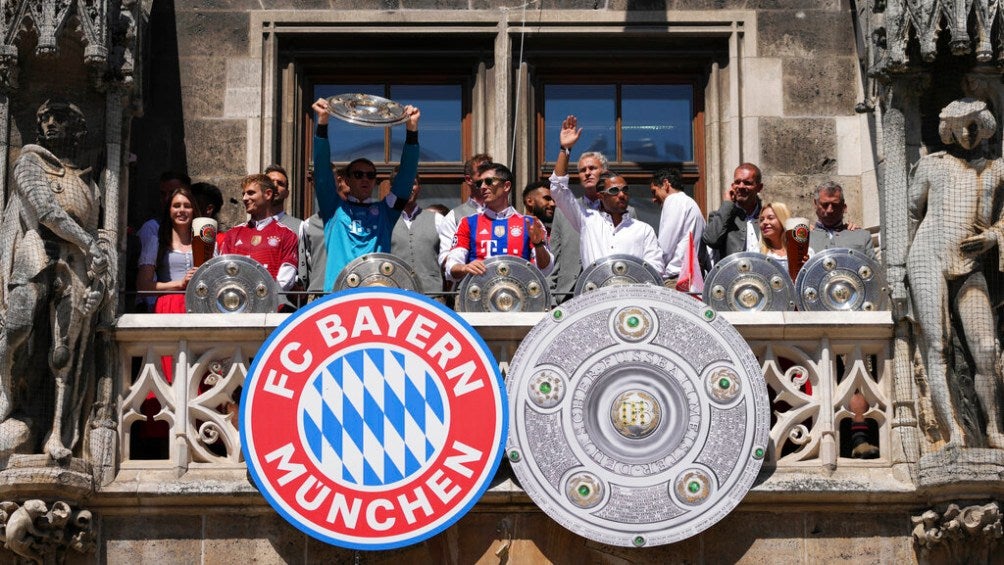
[{"x": 158, "y": 138}]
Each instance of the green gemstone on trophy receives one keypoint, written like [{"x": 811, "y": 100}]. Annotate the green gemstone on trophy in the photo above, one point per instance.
[
  {"x": 545, "y": 388},
  {"x": 758, "y": 453},
  {"x": 633, "y": 322},
  {"x": 514, "y": 455},
  {"x": 583, "y": 491},
  {"x": 638, "y": 541},
  {"x": 694, "y": 487},
  {"x": 709, "y": 314},
  {"x": 557, "y": 314},
  {"x": 724, "y": 383}
]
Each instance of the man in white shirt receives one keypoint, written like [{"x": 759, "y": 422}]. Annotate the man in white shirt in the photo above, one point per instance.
[
  {"x": 611, "y": 229},
  {"x": 680, "y": 218},
  {"x": 473, "y": 205}
]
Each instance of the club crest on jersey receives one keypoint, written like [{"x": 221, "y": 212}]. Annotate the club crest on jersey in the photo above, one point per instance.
[
  {"x": 373, "y": 418},
  {"x": 499, "y": 231},
  {"x": 516, "y": 231},
  {"x": 273, "y": 240}
]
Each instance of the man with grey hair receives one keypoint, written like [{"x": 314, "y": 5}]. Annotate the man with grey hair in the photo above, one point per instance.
[{"x": 830, "y": 229}]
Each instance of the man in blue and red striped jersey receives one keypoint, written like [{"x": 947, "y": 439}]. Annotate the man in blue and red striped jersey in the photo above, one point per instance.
[{"x": 497, "y": 230}]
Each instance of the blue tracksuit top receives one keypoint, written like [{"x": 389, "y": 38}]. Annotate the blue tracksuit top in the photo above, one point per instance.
[{"x": 353, "y": 229}]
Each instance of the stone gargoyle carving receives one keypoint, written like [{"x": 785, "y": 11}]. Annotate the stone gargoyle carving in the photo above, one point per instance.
[
  {"x": 951, "y": 231},
  {"x": 43, "y": 534},
  {"x": 967, "y": 534},
  {"x": 54, "y": 275}
]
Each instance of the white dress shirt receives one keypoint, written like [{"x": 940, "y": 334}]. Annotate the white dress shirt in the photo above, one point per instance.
[
  {"x": 680, "y": 216},
  {"x": 598, "y": 235}
]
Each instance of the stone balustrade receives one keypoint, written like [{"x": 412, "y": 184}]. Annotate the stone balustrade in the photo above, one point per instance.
[{"x": 189, "y": 369}]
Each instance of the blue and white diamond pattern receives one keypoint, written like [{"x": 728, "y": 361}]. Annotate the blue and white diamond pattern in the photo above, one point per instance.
[{"x": 373, "y": 416}]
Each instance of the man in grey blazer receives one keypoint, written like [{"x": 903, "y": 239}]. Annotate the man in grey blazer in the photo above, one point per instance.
[
  {"x": 734, "y": 226},
  {"x": 830, "y": 230}
]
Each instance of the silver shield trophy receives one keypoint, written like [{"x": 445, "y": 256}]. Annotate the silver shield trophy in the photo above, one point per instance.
[
  {"x": 749, "y": 282},
  {"x": 378, "y": 269},
  {"x": 639, "y": 416},
  {"x": 841, "y": 279},
  {"x": 231, "y": 284},
  {"x": 509, "y": 284}
]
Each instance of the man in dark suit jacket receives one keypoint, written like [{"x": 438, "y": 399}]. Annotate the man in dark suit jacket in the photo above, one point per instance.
[{"x": 734, "y": 227}]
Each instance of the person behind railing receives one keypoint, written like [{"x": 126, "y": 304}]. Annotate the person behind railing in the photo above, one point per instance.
[
  {"x": 773, "y": 239},
  {"x": 611, "y": 229},
  {"x": 681, "y": 225},
  {"x": 168, "y": 266},
  {"x": 498, "y": 230},
  {"x": 263, "y": 238},
  {"x": 830, "y": 229},
  {"x": 415, "y": 240},
  {"x": 733, "y": 227},
  {"x": 147, "y": 236},
  {"x": 313, "y": 253},
  {"x": 355, "y": 225}
]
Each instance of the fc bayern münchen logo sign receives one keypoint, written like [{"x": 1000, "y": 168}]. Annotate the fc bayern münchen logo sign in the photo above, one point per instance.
[{"x": 373, "y": 418}]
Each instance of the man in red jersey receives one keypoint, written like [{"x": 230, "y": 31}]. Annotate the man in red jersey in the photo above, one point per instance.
[
  {"x": 263, "y": 238},
  {"x": 497, "y": 230}
]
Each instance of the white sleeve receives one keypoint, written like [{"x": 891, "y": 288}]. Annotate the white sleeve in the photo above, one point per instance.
[
  {"x": 286, "y": 276},
  {"x": 566, "y": 201},
  {"x": 454, "y": 256},
  {"x": 447, "y": 228}
]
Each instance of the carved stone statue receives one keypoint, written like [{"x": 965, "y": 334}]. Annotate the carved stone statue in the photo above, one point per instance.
[
  {"x": 54, "y": 274},
  {"x": 43, "y": 534},
  {"x": 951, "y": 229}
]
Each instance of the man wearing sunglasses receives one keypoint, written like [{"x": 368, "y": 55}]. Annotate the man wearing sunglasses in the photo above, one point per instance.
[
  {"x": 611, "y": 229},
  {"x": 497, "y": 230},
  {"x": 355, "y": 225}
]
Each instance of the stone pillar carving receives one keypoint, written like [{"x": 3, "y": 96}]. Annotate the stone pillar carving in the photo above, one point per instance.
[
  {"x": 899, "y": 114},
  {"x": 110, "y": 32},
  {"x": 45, "y": 533},
  {"x": 954, "y": 534}
]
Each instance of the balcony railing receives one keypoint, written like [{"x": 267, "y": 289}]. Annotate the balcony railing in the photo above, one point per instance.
[{"x": 189, "y": 368}]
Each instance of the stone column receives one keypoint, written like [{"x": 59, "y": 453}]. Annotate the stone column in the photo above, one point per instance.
[{"x": 900, "y": 108}]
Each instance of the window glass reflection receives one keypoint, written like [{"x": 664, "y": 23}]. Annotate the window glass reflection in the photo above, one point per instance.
[
  {"x": 593, "y": 105},
  {"x": 656, "y": 123},
  {"x": 440, "y": 123}
]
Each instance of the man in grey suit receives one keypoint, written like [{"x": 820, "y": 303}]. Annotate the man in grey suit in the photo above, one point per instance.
[
  {"x": 830, "y": 230},
  {"x": 415, "y": 240},
  {"x": 734, "y": 227}
]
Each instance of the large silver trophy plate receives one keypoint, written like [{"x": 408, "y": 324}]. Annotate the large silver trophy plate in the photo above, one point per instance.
[
  {"x": 378, "y": 269},
  {"x": 639, "y": 417},
  {"x": 616, "y": 270},
  {"x": 366, "y": 110},
  {"x": 509, "y": 284},
  {"x": 749, "y": 282},
  {"x": 841, "y": 280},
  {"x": 231, "y": 284}
]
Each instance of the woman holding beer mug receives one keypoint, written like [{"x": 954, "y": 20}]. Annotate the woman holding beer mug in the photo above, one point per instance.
[
  {"x": 169, "y": 267},
  {"x": 773, "y": 239}
]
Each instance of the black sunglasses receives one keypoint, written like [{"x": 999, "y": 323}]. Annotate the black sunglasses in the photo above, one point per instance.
[
  {"x": 487, "y": 181},
  {"x": 615, "y": 190},
  {"x": 360, "y": 174}
]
